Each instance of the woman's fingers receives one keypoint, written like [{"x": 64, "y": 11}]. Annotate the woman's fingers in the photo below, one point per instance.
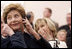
[
  {"x": 4, "y": 31},
  {"x": 7, "y": 30},
  {"x": 24, "y": 21},
  {"x": 41, "y": 32}
]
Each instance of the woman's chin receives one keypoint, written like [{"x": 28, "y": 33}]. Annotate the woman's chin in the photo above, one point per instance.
[{"x": 15, "y": 28}]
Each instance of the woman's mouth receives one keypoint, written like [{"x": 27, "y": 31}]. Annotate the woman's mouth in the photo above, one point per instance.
[{"x": 15, "y": 24}]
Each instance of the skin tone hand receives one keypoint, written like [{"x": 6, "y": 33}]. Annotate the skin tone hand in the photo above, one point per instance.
[
  {"x": 7, "y": 30},
  {"x": 30, "y": 29},
  {"x": 3, "y": 35},
  {"x": 45, "y": 33}
]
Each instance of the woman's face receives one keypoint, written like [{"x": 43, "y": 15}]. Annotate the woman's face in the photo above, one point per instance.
[
  {"x": 42, "y": 25},
  {"x": 14, "y": 20},
  {"x": 44, "y": 30},
  {"x": 61, "y": 36}
]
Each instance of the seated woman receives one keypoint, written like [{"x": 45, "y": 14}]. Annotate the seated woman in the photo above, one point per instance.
[
  {"x": 46, "y": 28},
  {"x": 61, "y": 39},
  {"x": 16, "y": 21}
]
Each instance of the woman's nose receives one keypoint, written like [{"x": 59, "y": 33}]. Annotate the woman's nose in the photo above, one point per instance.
[{"x": 13, "y": 19}]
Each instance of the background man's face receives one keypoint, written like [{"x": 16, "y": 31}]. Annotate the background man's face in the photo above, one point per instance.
[
  {"x": 69, "y": 18},
  {"x": 46, "y": 13}
]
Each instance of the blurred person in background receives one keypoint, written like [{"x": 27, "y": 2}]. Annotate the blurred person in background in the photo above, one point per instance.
[
  {"x": 61, "y": 38},
  {"x": 47, "y": 14}
]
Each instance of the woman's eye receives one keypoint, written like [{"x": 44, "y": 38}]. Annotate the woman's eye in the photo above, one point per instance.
[
  {"x": 16, "y": 16},
  {"x": 9, "y": 18},
  {"x": 42, "y": 26}
]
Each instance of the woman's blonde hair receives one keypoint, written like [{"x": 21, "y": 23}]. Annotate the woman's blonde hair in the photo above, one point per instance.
[
  {"x": 50, "y": 24},
  {"x": 11, "y": 7}
]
